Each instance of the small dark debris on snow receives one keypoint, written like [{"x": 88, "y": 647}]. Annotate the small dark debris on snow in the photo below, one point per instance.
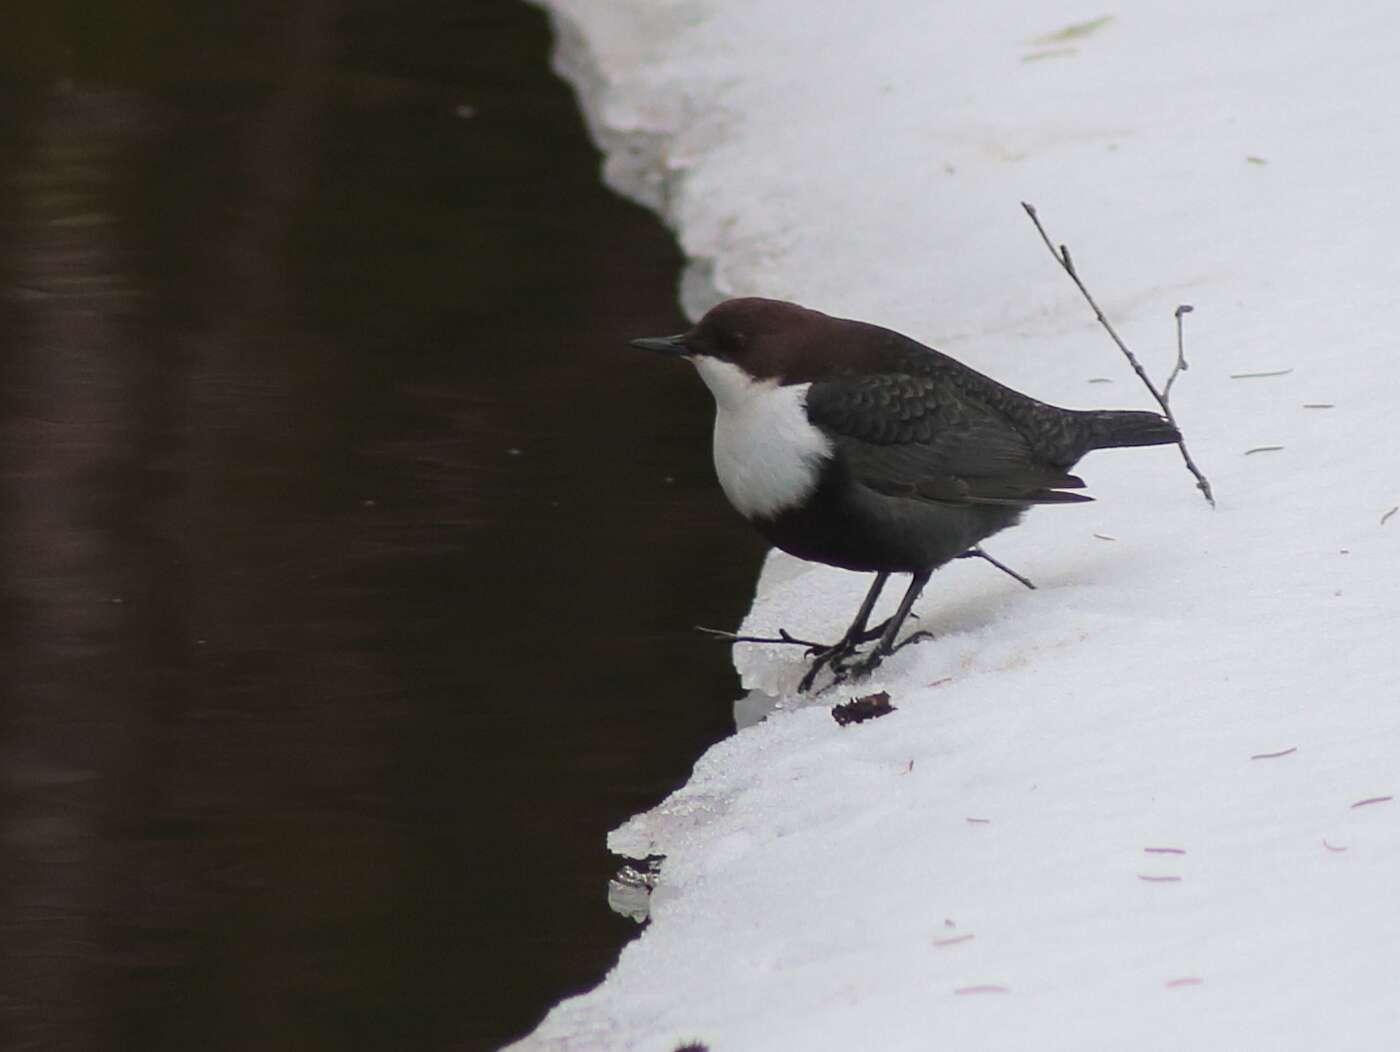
[
  {"x": 1262, "y": 449},
  {"x": 1259, "y": 376},
  {"x": 1373, "y": 800},
  {"x": 1330, "y": 847},
  {"x": 1274, "y": 755},
  {"x": 1054, "y": 52},
  {"x": 953, "y": 940},
  {"x": 979, "y": 821},
  {"x": 1158, "y": 880},
  {"x": 1189, "y": 980},
  {"x": 1165, "y": 850},
  {"x": 693, "y": 1046},
  {"x": 1386, "y": 517},
  {"x": 858, "y": 710},
  {"x": 988, "y": 988},
  {"x": 1319, "y": 405}
]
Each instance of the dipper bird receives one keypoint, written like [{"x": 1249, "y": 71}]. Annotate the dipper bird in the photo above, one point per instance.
[{"x": 849, "y": 444}]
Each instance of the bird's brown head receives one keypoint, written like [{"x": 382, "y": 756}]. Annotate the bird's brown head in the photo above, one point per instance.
[{"x": 770, "y": 340}]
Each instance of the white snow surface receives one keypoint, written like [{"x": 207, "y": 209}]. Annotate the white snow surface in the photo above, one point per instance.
[{"x": 973, "y": 871}]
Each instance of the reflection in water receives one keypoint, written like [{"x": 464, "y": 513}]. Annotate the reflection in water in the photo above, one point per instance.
[{"x": 347, "y": 558}]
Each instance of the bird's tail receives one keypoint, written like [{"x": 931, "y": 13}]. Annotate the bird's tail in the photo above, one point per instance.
[{"x": 1127, "y": 427}]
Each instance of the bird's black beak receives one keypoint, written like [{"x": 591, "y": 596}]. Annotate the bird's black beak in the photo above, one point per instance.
[{"x": 672, "y": 345}]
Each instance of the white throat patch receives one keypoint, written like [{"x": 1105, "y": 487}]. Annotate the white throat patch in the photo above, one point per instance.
[{"x": 767, "y": 453}]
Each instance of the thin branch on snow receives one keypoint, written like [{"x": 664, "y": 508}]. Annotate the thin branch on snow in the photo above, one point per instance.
[
  {"x": 782, "y": 637},
  {"x": 976, "y": 552},
  {"x": 1066, "y": 261},
  {"x": 1180, "y": 366}
]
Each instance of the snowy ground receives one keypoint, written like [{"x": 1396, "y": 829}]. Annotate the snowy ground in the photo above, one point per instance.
[{"x": 983, "y": 868}]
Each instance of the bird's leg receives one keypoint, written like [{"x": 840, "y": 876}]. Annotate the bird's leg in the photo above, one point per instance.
[
  {"x": 857, "y": 633},
  {"x": 837, "y": 654},
  {"x": 887, "y": 646}
]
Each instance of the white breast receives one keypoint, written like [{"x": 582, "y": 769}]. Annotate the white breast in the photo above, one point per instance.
[{"x": 767, "y": 453}]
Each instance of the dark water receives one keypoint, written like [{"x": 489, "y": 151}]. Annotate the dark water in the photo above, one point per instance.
[{"x": 347, "y": 556}]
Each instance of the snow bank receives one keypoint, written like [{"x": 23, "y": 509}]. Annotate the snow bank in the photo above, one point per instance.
[{"x": 988, "y": 866}]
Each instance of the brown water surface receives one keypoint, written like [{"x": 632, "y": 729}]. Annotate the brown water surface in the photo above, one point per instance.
[{"x": 347, "y": 555}]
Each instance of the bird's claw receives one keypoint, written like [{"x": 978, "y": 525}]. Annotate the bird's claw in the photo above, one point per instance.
[{"x": 917, "y": 637}]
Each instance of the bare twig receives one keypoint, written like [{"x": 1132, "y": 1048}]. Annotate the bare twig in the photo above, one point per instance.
[
  {"x": 1063, "y": 257},
  {"x": 782, "y": 637},
  {"x": 1260, "y": 376},
  {"x": 977, "y": 553},
  {"x": 1180, "y": 366}
]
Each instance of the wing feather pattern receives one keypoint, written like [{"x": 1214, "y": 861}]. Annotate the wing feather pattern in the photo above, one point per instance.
[{"x": 921, "y": 438}]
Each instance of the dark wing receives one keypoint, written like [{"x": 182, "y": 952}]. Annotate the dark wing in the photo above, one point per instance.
[{"x": 922, "y": 438}]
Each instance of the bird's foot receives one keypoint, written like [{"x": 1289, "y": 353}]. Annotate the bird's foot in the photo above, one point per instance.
[
  {"x": 846, "y": 646},
  {"x": 845, "y": 668},
  {"x": 838, "y": 656}
]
